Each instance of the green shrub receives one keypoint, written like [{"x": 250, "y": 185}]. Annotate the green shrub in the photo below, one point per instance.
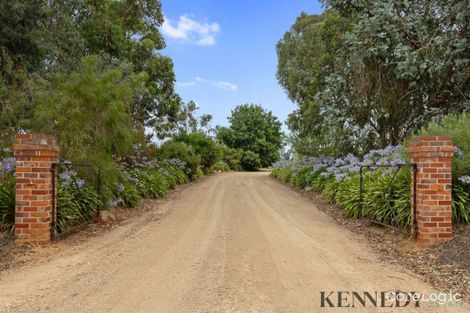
[
  {"x": 204, "y": 146},
  {"x": 250, "y": 161},
  {"x": 178, "y": 174},
  {"x": 283, "y": 173},
  {"x": 199, "y": 173},
  {"x": 151, "y": 183},
  {"x": 183, "y": 152},
  {"x": 318, "y": 182},
  {"x": 170, "y": 179},
  {"x": 348, "y": 197},
  {"x": 91, "y": 110},
  {"x": 460, "y": 205},
  {"x": 330, "y": 190},
  {"x": 7, "y": 202},
  {"x": 130, "y": 195},
  {"x": 388, "y": 201},
  {"x": 458, "y": 128},
  {"x": 233, "y": 158},
  {"x": 303, "y": 177},
  {"x": 221, "y": 166},
  {"x": 76, "y": 206}
]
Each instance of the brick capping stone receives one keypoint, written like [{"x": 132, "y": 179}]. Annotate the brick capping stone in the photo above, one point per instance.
[
  {"x": 433, "y": 156},
  {"x": 34, "y": 155}
]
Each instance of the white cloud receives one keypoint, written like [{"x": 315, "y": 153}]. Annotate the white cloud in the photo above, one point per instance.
[
  {"x": 224, "y": 85},
  {"x": 190, "y": 30},
  {"x": 186, "y": 84}
]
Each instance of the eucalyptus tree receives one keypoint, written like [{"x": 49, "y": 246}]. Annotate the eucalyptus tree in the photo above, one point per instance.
[
  {"x": 42, "y": 39},
  {"x": 369, "y": 73}
]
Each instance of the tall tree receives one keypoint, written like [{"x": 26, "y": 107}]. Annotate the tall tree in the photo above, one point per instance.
[
  {"x": 256, "y": 130},
  {"x": 44, "y": 38},
  {"x": 94, "y": 133},
  {"x": 372, "y": 72},
  {"x": 403, "y": 63},
  {"x": 306, "y": 57},
  {"x": 21, "y": 53}
]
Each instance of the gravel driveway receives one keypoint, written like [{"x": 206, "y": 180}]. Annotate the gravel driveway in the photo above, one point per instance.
[{"x": 235, "y": 242}]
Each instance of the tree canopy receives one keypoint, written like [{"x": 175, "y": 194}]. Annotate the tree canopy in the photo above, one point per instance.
[
  {"x": 256, "y": 130},
  {"x": 367, "y": 74},
  {"x": 91, "y": 133},
  {"x": 41, "y": 40}
]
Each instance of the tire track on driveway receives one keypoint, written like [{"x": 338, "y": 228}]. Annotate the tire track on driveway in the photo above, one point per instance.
[{"x": 232, "y": 243}]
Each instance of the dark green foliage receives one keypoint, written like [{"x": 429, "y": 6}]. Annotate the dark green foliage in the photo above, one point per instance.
[
  {"x": 330, "y": 190},
  {"x": 42, "y": 40},
  {"x": 178, "y": 174},
  {"x": 383, "y": 201},
  {"x": 130, "y": 196},
  {"x": 387, "y": 202},
  {"x": 221, "y": 166},
  {"x": 303, "y": 177},
  {"x": 367, "y": 74},
  {"x": 306, "y": 56},
  {"x": 232, "y": 157},
  {"x": 251, "y": 161},
  {"x": 7, "y": 202},
  {"x": 183, "y": 152},
  {"x": 151, "y": 183},
  {"x": 254, "y": 129},
  {"x": 21, "y": 54},
  {"x": 88, "y": 133},
  {"x": 284, "y": 174},
  {"x": 458, "y": 128},
  {"x": 204, "y": 146},
  {"x": 460, "y": 205},
  {"x": 76, "y": 206}
]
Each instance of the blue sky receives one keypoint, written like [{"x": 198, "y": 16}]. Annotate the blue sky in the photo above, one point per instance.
[{"x": 224, "y": 51}]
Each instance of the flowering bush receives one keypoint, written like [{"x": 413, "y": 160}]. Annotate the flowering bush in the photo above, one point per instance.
[
  {"x": 182, "y": 153},
  {"x": 457, "y": 127},
  {"x": 7, "y": 166},
  {"x": 386, "y": 193},
  {"x": 221, "y": 166},
  {"x": 75, "y": 206},
  {"x": 7, "y": 201},
  {"x": 77, "y": 194}
]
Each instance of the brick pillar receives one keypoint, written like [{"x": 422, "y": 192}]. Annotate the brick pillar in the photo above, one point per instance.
[
  {"x": 433, "y": 155},
  {"x": 34, "y": 155}
]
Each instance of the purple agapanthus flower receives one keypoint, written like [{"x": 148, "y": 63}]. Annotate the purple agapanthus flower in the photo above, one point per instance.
[
  {"x": 345, "y": 168},
  {"x": 114, "y": 203},
  {"x": 178, "y": 163},
  {"x": 457, "y": 151},
  {"x": 7, "y": 166},
  {"x": 120, "y": 188},
  {"x": 80, "y": 183},
  {"x": 465, "y": 179}
]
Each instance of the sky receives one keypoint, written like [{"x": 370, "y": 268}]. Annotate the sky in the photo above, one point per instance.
[{"x": 224, "y": 52}]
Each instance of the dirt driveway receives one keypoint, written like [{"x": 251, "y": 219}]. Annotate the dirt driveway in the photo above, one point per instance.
[{"x": 237, "y": 242}]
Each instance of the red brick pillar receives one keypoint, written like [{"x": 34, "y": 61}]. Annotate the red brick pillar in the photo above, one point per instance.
[
  {"x": 34, "y": 157},
  {"x": 433, "y": 156}
]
